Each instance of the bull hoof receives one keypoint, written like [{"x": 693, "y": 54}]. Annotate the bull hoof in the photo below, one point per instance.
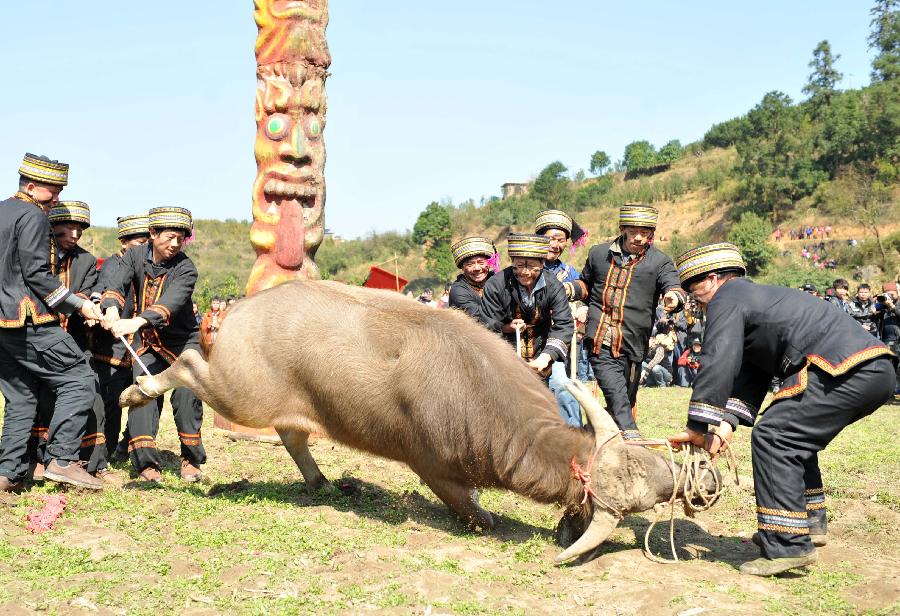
[
  {"x": 133, "y": 397},
  {"x": 484, "y": 522},
  {"x": 316, "y": 484}
]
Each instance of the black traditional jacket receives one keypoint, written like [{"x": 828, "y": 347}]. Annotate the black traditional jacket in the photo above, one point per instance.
[
  {"x": 757, "y": 332},
  {"x": 467, "y": 297},
  {"x": 623, "y": 295},
  {"x": 29, "y": 287},
  {"x": 77, "y": 270},
  {"x": 104, "y": 346},
  {"x": 548, "y": 321},
  {"x": 162, "y": 296}
]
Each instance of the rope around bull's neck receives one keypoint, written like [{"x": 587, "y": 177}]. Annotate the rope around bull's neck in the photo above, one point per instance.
[{"x": 693, "y": 472}]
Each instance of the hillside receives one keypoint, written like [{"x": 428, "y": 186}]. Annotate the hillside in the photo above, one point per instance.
[{"x": 693, "y": 197}]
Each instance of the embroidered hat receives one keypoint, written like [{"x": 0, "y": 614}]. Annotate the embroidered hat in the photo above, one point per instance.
[
  {"x": 42, "y": 169},
  {"x": 70, "y": 211},
  {"x": 471, "y": 246},
  {"x": 172, "y": 218},
  {"x": 638, "y": 215},
  {"x": 702, "y": 260},
  {"x": 527, "y": 245},
  {"x": 134, "y": 224},
  {"x": 557, "y": 219}
]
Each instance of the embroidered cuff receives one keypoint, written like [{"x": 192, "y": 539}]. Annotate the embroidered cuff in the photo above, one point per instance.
[
  {"x": 57, "y": 296},
  {"x": 742, "y": 411},
  {"x": 557, "y": 349},
  {"x": 705, "y": 413},
  {"x": 163, "y": 311},
  {"x": 111, "y": 298}
]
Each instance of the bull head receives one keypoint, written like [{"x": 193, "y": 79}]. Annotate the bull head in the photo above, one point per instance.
[
  {"x": 657, "y": 489},
  {"x": 603, "y": 520}
]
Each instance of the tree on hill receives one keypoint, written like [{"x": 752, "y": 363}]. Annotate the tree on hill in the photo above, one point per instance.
[
  {"x": 669, "y": 153},
  {"x": 822, "y": 82},
  {"x": 777, "y": 165},
  {"x": 433, "y": 224},
  {"x": 434, "y": 231},
  {"x": 552, "y": 187},
  {"x": 885, "y": 40},
  {"x": 599, "y": 162},
  {"x": 751, "y": 235},
  {"x": 725, "y": 134},
  {"x": 639, "y": 155}
]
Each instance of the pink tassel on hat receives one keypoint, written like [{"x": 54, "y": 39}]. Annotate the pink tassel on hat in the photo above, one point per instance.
[
  {"x": 494, "y": 262},
  {"x": 190, "y": 240},
  {"x": 581, "y": 241}
]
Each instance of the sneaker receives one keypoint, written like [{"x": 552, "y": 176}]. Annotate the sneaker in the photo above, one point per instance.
[
  {"x": 151, "y": 474},
  {"x": 189, "y": 472},
  {"x": 818, "y": 539},
  {"x": 108, "y": 477},
  {"x": 7, "y": 485},
  {"x": 36, "y": 471},
  {"x": 773, "y": 566},
  {"x": 72, "y": 473}
]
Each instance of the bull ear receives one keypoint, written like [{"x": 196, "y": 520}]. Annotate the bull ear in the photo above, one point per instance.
[
  {"x": 596, "y": 414},
  {"x": 602, "y": 524}
]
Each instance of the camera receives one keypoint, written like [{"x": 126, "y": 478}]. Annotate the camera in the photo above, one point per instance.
[{"x": 881, "y": 298}]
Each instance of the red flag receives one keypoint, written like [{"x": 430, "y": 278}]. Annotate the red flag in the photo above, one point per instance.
[{"x": 383, "y": 279}]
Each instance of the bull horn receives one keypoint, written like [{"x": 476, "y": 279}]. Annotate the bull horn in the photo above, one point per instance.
[
  {"x": 602, "y": 524},
  {"x": 596, "y": 414}
]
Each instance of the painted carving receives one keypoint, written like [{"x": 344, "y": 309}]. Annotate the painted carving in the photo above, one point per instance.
[{"x": 289, "y": 191}]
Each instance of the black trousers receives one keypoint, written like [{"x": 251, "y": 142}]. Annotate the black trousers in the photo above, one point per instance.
[
  {"x": 31, "y": 356},
  {"x": 618, "y": 378},
  {"x": 93, "y": 448},
  {"x": 113, "y": 381},
  {"x": 786, "y": 441},
  {"x": 143, "y": 422}
]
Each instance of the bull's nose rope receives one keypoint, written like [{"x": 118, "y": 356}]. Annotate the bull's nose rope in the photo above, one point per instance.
[
  {"x": 695, "y": 466},
  {"x": 584, "y": 476}
]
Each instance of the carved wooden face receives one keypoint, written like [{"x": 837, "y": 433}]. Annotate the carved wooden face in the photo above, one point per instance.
[{"x": 289, "y": 191}]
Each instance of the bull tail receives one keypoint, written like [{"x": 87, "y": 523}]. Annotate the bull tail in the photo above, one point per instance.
[{"x": 189, "y": 370}]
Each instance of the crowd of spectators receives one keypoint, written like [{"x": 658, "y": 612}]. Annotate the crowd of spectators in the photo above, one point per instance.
[
  {"x": 808, "y": 232},
  {"x": 676, "y": 345}
]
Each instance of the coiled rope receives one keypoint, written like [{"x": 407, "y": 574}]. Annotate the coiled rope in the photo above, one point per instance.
[{"x": 696, "y": 464}]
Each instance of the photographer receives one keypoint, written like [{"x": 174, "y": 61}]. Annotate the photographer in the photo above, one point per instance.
[
  {"x": 689, "y": 362},
  {"x": 888, "y": 315},
  {"x": 427, "y": 298},
  {"x": 863, "y": 309}
]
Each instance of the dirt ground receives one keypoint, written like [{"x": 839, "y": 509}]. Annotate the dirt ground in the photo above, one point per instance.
[{"x": 250, "y": 539}]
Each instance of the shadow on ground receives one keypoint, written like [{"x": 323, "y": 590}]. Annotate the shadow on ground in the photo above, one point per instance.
[{"x": 365, "y": 499}]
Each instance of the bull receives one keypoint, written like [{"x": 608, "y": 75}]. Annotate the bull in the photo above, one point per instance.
[{"x": 429, "y": 388}]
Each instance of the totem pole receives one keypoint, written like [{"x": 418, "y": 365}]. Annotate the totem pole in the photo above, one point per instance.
[{"x": 289, "y": 192}]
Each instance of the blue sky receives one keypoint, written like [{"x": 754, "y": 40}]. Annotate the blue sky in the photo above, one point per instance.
[{"x": 152, "y": 103}]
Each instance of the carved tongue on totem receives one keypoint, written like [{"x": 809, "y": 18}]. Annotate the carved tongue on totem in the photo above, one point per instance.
[{"x": 289, "y": 236}]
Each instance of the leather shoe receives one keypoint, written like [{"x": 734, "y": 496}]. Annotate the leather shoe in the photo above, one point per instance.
[
  {"x": 109, "y": 478},
  {"x": 773, "y": 566},
  {"x": 151, "y": 474},
  {"x": 189, "y": 472},
  {"x": 36, "y": 471},
  {"x": 6, "y": 485},
  {"x": 72, "y": 473}
]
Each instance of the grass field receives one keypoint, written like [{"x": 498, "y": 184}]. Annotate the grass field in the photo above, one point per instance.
[{"x": 250, "y": 540}]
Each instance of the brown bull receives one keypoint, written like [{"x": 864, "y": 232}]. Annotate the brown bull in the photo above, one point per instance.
[{"x": 430, "y": 388}]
